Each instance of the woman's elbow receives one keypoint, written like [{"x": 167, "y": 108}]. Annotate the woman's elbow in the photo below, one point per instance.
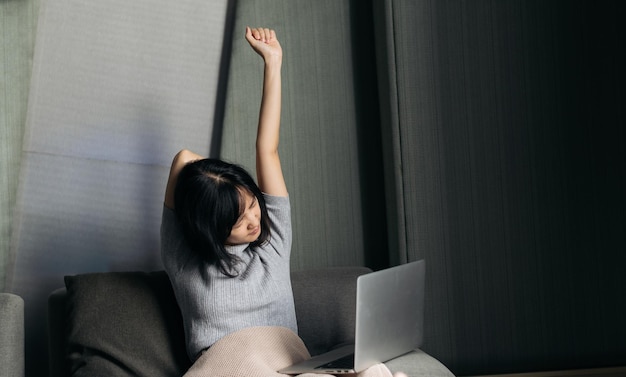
[{"x": 184, "y": 156}]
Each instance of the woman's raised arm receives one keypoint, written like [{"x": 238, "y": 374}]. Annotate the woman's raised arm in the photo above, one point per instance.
[
  {"x": 269, "y": 172},
  {"x": 181, "y": 159}
]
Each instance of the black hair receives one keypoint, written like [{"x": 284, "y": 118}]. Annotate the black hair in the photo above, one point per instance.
[{"x": 209, "y": 202}]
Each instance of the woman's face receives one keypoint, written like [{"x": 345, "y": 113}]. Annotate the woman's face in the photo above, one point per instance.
[{"x": 248, "y": 227}]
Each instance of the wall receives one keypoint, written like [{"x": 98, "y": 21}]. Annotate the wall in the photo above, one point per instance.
[{"x": 508, "y": 145}]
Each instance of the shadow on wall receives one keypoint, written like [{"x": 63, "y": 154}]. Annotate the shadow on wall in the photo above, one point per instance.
[{"x": 220, "y": 98}]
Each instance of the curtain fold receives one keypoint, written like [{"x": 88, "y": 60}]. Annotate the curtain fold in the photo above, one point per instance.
[
  {"x": 18, "y": 20},
  {"x": 391, "y": 143}
]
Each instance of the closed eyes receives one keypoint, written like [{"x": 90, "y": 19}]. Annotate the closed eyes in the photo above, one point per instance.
[{"x": 240, "y": 219}]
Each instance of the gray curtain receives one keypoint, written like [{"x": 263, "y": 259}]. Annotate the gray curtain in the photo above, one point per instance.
[{"x": 505, "y": 154}]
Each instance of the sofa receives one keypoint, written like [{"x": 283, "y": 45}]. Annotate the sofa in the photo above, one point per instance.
[{"x": 128, "y": 323}]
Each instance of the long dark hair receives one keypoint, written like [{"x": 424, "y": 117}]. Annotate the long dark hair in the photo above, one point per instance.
[{"x": 208, "y": 201}]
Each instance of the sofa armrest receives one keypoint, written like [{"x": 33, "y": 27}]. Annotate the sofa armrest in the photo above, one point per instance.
[
  {"x": 11, "y": 335},
  {"x": 418, "y": 364}
]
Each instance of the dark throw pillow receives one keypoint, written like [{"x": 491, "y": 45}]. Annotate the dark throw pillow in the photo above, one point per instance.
[{"x": 124, "y": 324}]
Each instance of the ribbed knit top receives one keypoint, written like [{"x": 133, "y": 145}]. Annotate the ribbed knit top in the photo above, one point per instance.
[{"x": 214, "y": 305}]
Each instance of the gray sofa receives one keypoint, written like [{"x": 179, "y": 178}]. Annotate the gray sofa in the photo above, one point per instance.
[
  {"x": 11, "y": 335},
  {"x": 128, "y": 323}
]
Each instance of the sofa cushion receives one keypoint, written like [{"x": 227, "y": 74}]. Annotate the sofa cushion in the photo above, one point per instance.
[{"x": 124, "y": 324}]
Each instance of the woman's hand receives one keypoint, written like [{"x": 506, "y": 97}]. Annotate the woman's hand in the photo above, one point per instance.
[{"x": 265, "y": 43}]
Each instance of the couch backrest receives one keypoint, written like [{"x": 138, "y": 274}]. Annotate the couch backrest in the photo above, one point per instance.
[
  {"x": 326, "y": 306},
  {"x": 128, "y": 323}
]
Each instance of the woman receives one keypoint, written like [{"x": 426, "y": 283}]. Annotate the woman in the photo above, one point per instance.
[
  {"x": 215, "y": 216},
  {"x": 226, "y": 243}
]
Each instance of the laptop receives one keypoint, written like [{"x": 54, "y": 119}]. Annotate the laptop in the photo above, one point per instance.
[{"x": 389, "y": 322}]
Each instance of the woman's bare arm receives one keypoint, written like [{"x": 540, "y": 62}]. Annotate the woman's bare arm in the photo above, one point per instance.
[
  {"x": 181, "y": 159},
  {"x": 269, "y": 172}
]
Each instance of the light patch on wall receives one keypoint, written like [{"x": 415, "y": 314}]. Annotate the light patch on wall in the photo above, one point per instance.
[{"x": 117, "y": 88}]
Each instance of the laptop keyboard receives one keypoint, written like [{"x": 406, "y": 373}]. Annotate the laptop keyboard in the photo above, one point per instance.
[{"x": 346, "y": 362}]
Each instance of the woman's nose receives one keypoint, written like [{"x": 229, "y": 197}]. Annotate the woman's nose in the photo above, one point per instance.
[{"x": 251, "y": 217}]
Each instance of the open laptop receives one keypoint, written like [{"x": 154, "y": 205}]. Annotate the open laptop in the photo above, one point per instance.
[{"x": 389, "y": 322}]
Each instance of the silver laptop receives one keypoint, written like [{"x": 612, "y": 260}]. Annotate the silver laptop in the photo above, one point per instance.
[{"x": 389, "y": 322}]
